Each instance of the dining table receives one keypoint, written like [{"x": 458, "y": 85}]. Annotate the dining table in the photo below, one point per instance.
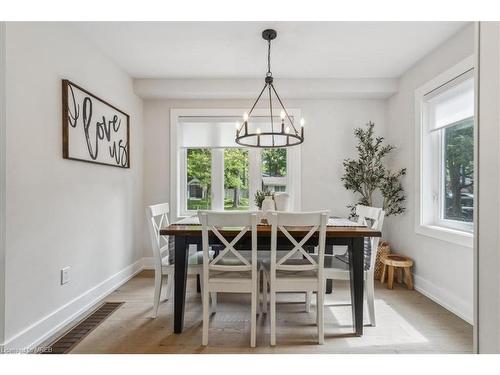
[{"x": 339, "y": 232}]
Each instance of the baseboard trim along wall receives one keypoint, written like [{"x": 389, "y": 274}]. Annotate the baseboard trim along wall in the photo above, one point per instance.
[
  {"x": 148, "y": 263},
  {"x": 46, "y": 327},
  {"x": 442, "y": 297}
]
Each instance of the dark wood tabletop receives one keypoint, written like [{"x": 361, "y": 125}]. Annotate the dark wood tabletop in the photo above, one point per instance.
[{"x": 265, "y": 230}]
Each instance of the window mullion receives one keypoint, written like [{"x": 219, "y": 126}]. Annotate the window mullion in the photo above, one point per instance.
[
  {"x": 182, "y": 193},
  {"x": 217, "y": 179},
  {"x": 255, "y": 175}
]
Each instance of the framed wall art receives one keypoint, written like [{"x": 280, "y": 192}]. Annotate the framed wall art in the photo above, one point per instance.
[{"x": 94, "y": 131}]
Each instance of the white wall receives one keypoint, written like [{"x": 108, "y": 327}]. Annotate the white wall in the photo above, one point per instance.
[
  {"x": 443, "y": 271},
  {"x": 63, "y": 212},
  {"x": 329, "y": 139}
]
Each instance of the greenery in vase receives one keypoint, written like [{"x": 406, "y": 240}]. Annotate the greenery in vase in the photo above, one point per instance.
[
  {"x": 367, "y": 174},
  {"x": 260, "y": 195}
]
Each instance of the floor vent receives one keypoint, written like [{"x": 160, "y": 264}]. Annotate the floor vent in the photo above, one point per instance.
[{"x": 66, "y": 342}]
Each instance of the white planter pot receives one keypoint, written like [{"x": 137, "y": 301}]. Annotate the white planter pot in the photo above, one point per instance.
[{"x": 282, "y": 201}]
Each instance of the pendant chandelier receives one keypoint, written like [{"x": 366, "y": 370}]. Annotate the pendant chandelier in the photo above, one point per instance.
[{"x": 272, "y": 134}]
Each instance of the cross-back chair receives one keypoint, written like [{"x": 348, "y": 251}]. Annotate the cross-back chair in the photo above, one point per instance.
[
  {"x": 164, "y": 267},
  {"x": 297, "y": 270},
  {"x": 229, "y": 271},
  {"x": 337, "y": 267}
]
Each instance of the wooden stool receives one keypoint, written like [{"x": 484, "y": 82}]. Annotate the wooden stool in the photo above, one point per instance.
[{"x": 402, "y": 264}]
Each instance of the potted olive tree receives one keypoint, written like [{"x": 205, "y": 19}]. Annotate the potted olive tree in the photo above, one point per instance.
[{"x": 368, "y": 176}]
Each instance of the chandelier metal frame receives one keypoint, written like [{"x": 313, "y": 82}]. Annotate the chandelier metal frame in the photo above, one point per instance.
[{"x": 285, "y": 134}]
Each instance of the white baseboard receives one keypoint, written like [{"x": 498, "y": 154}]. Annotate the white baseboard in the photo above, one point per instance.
[
  {"x": 148, "y": 263},
  {"x": 443, "y": 297},
  {"x": 46, "y": 327}
]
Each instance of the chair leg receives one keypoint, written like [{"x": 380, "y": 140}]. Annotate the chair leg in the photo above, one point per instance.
[
  {"x": 273, "y": 316},
  {"x": 265, "y": 284},
  {"x": 198, "y": 283},
  {"x": 213, "y": 297},
  {"x": 320, "y": 311},
  {"x": 308, "y": 301},
  {"x": 157, "y": 294},
  {"x": 253, "y": 319},
  {"x": 170, "y": 286},
  {"x": 206, "y": 312},
  {"x": 202, "y": 295},
  {"x": 259, "y": 276},
  {"x": 370, "y": 298}
]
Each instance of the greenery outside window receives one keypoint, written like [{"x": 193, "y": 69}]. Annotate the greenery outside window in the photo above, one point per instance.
[
  {"x": 274, "y": 169},
  {"x": 458, "y": 172},
  {"x": 199, "y": 179},
  {"x": 236, "y": 180}
]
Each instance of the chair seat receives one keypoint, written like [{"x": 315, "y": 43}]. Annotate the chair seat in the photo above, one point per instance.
[
  {"x": 284, "y": 274},
  {"x": 229, "y": 261},
  {"x": 230, "y": 276}
]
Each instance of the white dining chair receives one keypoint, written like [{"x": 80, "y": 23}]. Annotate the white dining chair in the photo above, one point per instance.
[
  {"x": 164, "y": 268},
  {"x": 229, "y": 271},
  {"x": 296, "y": 271},
  {"x": 337, "y": 267}
]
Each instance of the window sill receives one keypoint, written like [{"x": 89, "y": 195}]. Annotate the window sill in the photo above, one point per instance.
[{"x": 465, "y": 239}]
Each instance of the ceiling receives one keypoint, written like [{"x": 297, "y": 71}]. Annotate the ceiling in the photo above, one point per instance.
[{"x": 236, "y": 49}]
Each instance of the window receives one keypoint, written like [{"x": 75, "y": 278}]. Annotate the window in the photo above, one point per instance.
[
  {"x": 213, "y": 172},
  {"x": 445, "y": 119}
]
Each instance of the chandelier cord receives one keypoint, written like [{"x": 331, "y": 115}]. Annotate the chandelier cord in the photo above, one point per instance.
[
  {"x": 271, "y": 112},
  {"x": 269, "y": 58}
]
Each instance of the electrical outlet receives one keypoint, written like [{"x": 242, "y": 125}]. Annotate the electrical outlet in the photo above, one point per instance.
[{"x": 65, "y": 275}]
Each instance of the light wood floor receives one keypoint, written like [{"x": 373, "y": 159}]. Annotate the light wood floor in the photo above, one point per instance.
[{"x": 407, "y": 322}]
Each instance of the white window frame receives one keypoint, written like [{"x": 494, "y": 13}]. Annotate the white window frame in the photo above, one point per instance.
[
  {"x": 428, "y": 176},
  {"x": 178, "y": 166}
]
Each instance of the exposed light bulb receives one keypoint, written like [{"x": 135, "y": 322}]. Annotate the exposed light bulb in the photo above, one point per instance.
[
  {"x": 287, "y": 130},
  {"x": 302, "y": 122},
  {"x": 258, "y": 131},
  {"x": 282, "y": 115},
  {"x": 237, "y": 125},
  {"x": 245, "y": 116}
]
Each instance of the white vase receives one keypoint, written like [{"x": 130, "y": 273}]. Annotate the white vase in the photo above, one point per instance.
[
  {"x": 268, "y": 204},
  {"x": 282, "y": 201}
]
